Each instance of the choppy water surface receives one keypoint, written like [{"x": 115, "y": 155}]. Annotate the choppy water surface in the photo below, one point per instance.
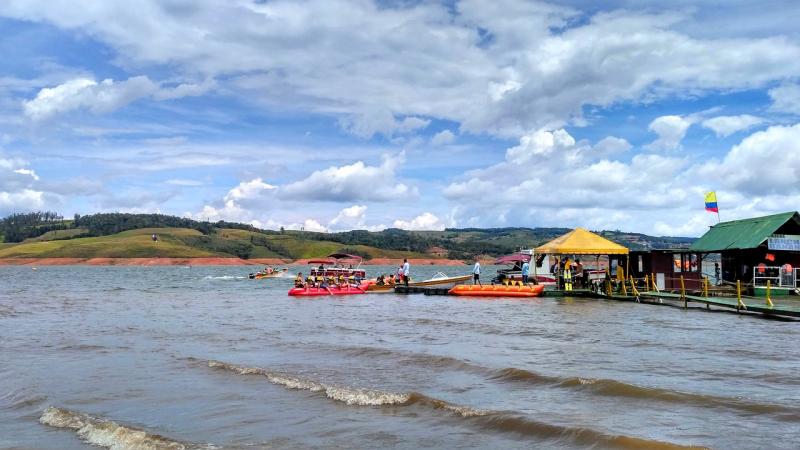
[{"x": 171, "y": 357}]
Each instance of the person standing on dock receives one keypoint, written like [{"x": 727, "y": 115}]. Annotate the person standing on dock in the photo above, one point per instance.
[
  {"x": 406, "y": 271},
  {"x": 476, "y": 273},
  {"x": 526, "y": 268}
]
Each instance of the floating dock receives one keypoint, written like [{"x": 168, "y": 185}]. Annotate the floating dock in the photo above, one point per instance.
[
  {"x": 780, "y": 308},
  {"x": 444, "y": 291}
]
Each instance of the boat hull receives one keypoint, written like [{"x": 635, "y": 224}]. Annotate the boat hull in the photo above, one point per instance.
[
  {"x": 325, "y": 292},
  {"x": 497, "y": 291},
  {"x": 441, "y": 281},
  {"x": 378, "y": 289},
  {"x": 276, "y": 274}
]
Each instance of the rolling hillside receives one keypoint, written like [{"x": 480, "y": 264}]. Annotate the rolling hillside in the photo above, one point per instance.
[
  {"x": 187, "y": 243},
  {"x": 129, "y": 236}
]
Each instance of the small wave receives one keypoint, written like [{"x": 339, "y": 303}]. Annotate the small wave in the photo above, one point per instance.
[
  {"x": 105, "y": 433},
  {"x": 84, "y": 347},
  {"x": 7, "y": 311},
  {"x": 596, "y": 386},
  {"x": 223, "y": 277},
  {"x": 614, "y": 388},
  {"x": 349, "y": 396},
  {"x": 20, "y": 399},
  {"x": 487, "y": 419},
  {"x": 424, "y": 359}
]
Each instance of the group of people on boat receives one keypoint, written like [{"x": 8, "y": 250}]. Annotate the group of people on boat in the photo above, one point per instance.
[
  {"x": 267, "y": 272},
  {"x": 386, "y": 280},
  {"x": 325, "y": 281},
  {"x": 403, "y": 272}
]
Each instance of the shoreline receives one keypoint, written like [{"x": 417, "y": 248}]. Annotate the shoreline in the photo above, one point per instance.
[{"x": 205, "y": 261}]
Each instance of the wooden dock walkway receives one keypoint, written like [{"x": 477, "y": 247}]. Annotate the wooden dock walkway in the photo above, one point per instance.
[
  {"x": 781, "y": 306},
  {"x": 444, "y": 291}
]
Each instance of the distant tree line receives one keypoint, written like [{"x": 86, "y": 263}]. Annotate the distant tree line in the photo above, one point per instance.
[
  {"x": 460, "y": 243},
  {"x": 389, "y": 239},
  {"x": 20, "y": 226}
]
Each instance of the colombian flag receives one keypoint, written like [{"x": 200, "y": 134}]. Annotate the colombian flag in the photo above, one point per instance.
[{"x": 711, "y": 202}]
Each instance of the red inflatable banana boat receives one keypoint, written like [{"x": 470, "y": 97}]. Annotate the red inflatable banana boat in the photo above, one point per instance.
[{"x": 497, "y": 290}]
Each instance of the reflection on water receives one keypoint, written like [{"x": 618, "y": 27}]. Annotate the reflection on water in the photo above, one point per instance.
[{"x": 195, "y": 357}]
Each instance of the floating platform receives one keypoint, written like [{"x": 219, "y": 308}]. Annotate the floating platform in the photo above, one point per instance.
[
  {"x": 421, "y": 290},
  {"x": 782, "y": 307},
  {"x": 400, "y": 289}
]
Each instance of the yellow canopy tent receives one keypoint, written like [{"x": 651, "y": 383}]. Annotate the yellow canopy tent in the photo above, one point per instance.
[{"x": 581, "y": 241}]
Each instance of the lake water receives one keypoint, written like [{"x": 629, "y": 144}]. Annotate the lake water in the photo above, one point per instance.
[{"x": 203, "y": 357}]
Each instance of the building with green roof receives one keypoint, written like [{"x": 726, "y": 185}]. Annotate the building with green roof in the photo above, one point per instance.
[{"x": 757, "y": 249}]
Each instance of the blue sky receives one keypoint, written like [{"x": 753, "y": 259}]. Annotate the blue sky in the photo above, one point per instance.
[{"x": 334, "y": 115}]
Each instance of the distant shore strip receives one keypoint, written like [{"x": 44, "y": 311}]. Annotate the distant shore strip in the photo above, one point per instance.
[{"x": 204, "y": 261}]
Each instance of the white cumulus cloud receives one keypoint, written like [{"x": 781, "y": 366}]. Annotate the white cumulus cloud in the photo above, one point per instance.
[
  {"x": 538, "y": 66},
  {"x": 670, "y": 130},
  {"x": 725, "y": 126},
  {"x": 353, "y": 182},
  {"x": 249, "y": 189},
  {"x": 443, "y": 137},
  {"x": 425, "y": 221},
  {"x": 103, "y": 97},
  {"x": 786, "y": 98}
]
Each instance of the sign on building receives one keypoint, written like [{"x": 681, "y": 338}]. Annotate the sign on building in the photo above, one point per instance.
[{"x": 789, "y": 242}]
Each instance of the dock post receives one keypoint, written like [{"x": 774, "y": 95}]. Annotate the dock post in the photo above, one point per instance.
[
  {"x": 769, "y": 297},
  {"x": 646, "y": 282},
  {"x": 634, "y": 291},
  {"x": 739, "y": 303},
  {"x": 705, "y": 287},
  {"x": 653, "y": 279},
  {"x": 683, "y": 294},
  {"x": 624, "y": 288}
]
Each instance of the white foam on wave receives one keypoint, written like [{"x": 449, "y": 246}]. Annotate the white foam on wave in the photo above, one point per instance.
[
  {"x": 105, "y": 433},
  {"x": 346, "y": 395},
  {"x": 223, "y": 277}
]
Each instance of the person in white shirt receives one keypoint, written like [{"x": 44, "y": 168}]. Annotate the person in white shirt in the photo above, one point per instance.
[
  {"x": 476, "y": 273},
  {"x": 406, "y": 271}
]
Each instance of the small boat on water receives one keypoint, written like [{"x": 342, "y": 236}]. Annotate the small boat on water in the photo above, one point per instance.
[
  {"x": 441, "y": 279},
  {"x": 347, "y": 289},
  {"x": 267, "y": 273},
  {"x": 336, "y": 279},
  {"x": 540, "y": 268},
  {"x": 469, "y": 290}
]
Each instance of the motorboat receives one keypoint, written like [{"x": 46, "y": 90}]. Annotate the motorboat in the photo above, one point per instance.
[
  {"x": 539, "y": 271},
  {"x": 268, "y": 273},
  {"x": 441, "y": 279}
]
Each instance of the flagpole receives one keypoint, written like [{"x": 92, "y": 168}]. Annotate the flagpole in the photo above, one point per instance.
[{"x": 717, "y": 198}]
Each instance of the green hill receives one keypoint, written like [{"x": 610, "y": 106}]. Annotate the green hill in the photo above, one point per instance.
[
  {"x": 186, "y": 243},
  {"x": 47, "y": 235}
]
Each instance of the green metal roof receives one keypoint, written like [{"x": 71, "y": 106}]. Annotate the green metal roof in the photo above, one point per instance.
[{"x": 742, "y": 234}]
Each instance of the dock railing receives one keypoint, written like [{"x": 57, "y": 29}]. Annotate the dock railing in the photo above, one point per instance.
[{"x": 777, "y": 276}]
